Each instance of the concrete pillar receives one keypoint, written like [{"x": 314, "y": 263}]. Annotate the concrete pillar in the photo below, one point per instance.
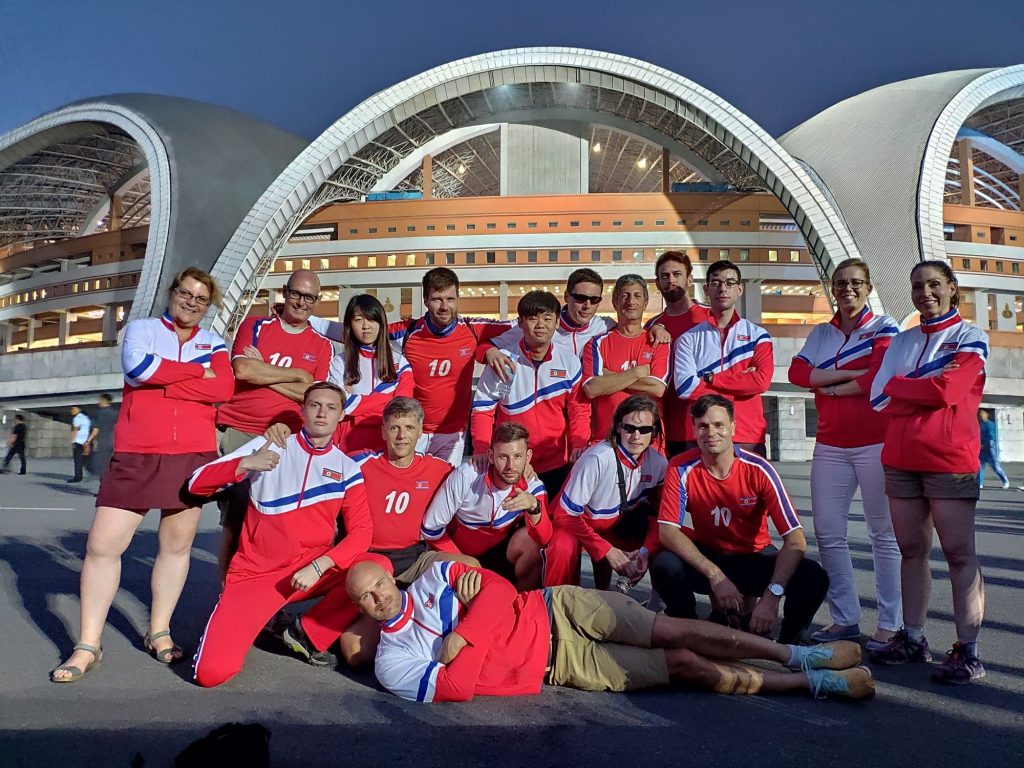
[
  {"x": 503, "y": 300},
  {"x": 752, "y": 301},
  {"x": 110, "y": 323},
  {"x": 980, "y": 309},
  {"x": 1006, "y": 312},
  {"x": 116, "y": 212},
  {"x": 548, "y": 159},
  {"x": 65, "y": 264},
  {"x": 30, "y": 336},
  {"x": 344, "y": 296},
  {"x": 428, "y": 176},
  {"x": 63, "y": 325},
  {"x": 1009, "y": 421},
  {"x": 964, "y": 148},
  {"x": 787, "y": 428},
  {"x": 666, "y": 182},
  {"x": 6, "y": 332}
]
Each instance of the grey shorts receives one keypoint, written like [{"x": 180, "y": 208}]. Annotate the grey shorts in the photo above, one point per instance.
[{"x": 907, "y": 484}]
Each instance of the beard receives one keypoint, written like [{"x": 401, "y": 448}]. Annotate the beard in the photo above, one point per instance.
[{"x": 673, "y": 295}]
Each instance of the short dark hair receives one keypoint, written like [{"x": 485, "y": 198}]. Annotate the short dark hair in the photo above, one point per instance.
[
  {"x": 947, "y": 272},
  {"x": 627, "y": 280},
  {"x": 509, "y": 432},
  {"x": 723, "y": 265},
  {"x": 583, "y": 275},
  {"x": 439, "y": 279},
  {"x": 677, "y": 256},
  {"x": 703, "y": 403},
  {"x": 317, "y": 386},
  {"x": 535, "y": 303},
  {"x": 106, "y": 398},
  {"x": 635, "y": 404},
  {"x": 403, "y": 406},
  {"x": 18, "y": 417}
]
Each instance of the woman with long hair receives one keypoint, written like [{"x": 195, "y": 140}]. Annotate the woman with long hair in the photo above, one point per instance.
[
  {"x": 370, "y": 373},
  {"x": 930, "y": 384},
  {"x": 174, "y": 372},
  {"x": 838, "y": 362}
]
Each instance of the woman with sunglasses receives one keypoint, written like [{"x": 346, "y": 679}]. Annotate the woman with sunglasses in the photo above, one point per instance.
[
  {"x": 370, "y": 373},
  {"x": 930, "y": 385},
  {"x": 174, "y": 372},
  {"x": 838, "y": 362},
  {"x": 605, "y": 505}
]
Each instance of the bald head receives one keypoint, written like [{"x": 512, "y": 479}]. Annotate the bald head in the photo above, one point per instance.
[
  {"x": 374, "y": 590},
  {"x": 301, "y": 294}
]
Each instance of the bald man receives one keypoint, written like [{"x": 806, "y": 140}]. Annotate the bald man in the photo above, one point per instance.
[
  {"x": 275, "y": 358},
  {"x": 458, "y": 631}
]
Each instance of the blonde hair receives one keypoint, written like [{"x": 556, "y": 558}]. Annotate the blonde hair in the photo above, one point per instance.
[{"x": 216, "y": 297}]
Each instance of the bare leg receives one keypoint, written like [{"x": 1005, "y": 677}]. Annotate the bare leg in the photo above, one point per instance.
[
  {"x": 176, "y": 533},
  {"x": 954, "y": 522},
  {"x": 524, "y": 555},
  {"x": 359, "y": 642},
  {"x": 691, "y": 669},
  {"x": 713, "y": 641},
  {"x": 912, "y": 523},
  {"x": 111, "y": 532}
]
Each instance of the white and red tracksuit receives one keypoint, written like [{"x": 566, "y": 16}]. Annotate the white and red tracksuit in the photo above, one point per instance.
[
  {"x": 741, "y": 361},
  {"x": 167, "y": 405},
  {"x": 675, "y": 412},
  {"x": 544, "y": 397},
  {"x": 933, "y": 424},
  {"x": 591, "y": 502},
  {"x": 572, "y": 336},
  {"x": 291, "y": 521},
  {"x": 846, "y": 422},
  {"x": 507, "y": 634},
  {"x": 254, "y": 407},
  {"x": 729, "y": 515},
  {"x": 364, "y": 407},
  {"x": 466, "y": 514},
  {"x": 617, "y": 353}
]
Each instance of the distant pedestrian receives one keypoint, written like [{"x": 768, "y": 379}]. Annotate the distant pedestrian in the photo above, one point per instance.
[
  {"x": 989, "y": 449},
  {"x": 16, "y": 443},
  {"x": 80, "y": 424},
  {"x": 101, "y": 437}
]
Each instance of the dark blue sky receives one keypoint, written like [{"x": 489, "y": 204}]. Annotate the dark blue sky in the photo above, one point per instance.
[{"x": 301, "y": 64}]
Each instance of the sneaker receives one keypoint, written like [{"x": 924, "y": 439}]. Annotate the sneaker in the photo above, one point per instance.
[
  {"x": 854, "y": 683},
  {"x": 836, "y": 632},
  {"x": 841, "y": 654},
  {"x": 1006, "y": 485},
  {"x": 959, "y": 668},
  {"x": 901, "y": 649},
  {"x": 876, "y": 645},
  {"x": 295, "y": 638}
]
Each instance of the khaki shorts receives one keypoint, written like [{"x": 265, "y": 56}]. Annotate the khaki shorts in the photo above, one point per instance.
[
  {"x": 423, "y": 562},
  {"x": 906, "y": 484},
  {"x": 601, "y": 641},
  {"x": 233, "y": 502}
]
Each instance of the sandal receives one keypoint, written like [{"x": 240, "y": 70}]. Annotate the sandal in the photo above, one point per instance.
[
  {"x": 165, "y": 655},
  {"x": 76, "y": 673}
]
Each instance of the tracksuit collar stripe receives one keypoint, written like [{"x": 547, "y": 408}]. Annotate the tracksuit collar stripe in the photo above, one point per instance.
[
  {"x": 526, "y": 352},
  {"x": 569, "y": 325},
  {"x": 404, "y": 615},
  {"x": 713, "y": 321},
  {"x": 936, "y": 324},
  {"x": 367, "y": 350},
  {"x": 446, "y": 331},
  {"x": 626, "y": 459},
  {"x": 307, "y": 445},
  {"x": 864, "y": 317},
  {"x": 492, "y": 486},
  {"x": 168, "y": 321}
]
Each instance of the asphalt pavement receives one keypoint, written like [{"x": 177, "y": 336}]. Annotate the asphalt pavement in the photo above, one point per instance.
[{"x": 133, "y": 711}]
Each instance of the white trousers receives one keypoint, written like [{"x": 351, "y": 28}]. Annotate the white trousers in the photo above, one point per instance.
[
  {"x": 835, "y": 475},
  {"x": 447, "y": 446}
]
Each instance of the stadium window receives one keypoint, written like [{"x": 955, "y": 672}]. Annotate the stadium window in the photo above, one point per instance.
[
  {"x": 325, "y": 263},
  {"x": 372, "y": 230},
  {"x": 449, "y": 258},
  {"x": 595, "y": 223},
  {"x": 1013, "y": 238},
  {"x": 491, "y": 225},
  {"x": 531, "y": 256},
  {"x": 471, "y": 226},
  {"x": 531, "y": 225},
  {"x": 510, "y": 257},
  {"x": 305, "y": 263},
  {"x": 287, "y": 266},
  {"x": 471, "y": 257},
  {"x": 595, "y": 255},
  {"x": 723, "y": 254},
  {"x": 965, "y": 263},
  {"x": 616, "y": 255},
  {"x": 702, "y": 223},
  {"x": 429, "y": 259},
  {"x": 353, "y": 231},
  {"x": 659, "y": 222},
  {"x": 702, "y": 254},
  {"x": 410, "y": 260},
  {"x": 638, "y": 222},
  {"x": 574, "y": 223},
  {"x": 449, "y": 227},
  {"x": 552, "y": 225},
  {"x": 491, "y": 257},
  {"x": 616, "y": 223},
  {"x": 773, "y": 255},
  {"x": 980, "y": 233},
  {"x": 984, "y": 265},
  {"x": 999, "y": 266},
  {"x": 353, "y": 262},
  {"x": 638, "y": 255},
  {"x": 744, "y": 254},
  {"x": 96, "y": 284},
  {"x": 510, "y": 225},
  {"x": 681, "y": 223},
  {"x": 371, "y": 261},
  {"x": 392, "y": 229},
  {"x": 410, "y": 229},
  {"x": 431, "y": 227},
  {"x": 552, "y": 255},
  {"x": 574, "y": 255},
  {"x": 1015, "y": 268},
  {"x": 723, "y": 223},
  {"x": 745, "y": 223},
  {"x": 794, "y": 256},
  {"x": 393, "y": 260}
]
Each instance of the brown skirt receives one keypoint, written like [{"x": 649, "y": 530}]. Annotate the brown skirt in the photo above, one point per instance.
[{"x": 145, "y": 481}]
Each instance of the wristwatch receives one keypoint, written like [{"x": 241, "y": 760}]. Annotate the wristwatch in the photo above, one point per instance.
[
  {"x": 776, "y": 589},
  {"x": 707, "y": 377}
]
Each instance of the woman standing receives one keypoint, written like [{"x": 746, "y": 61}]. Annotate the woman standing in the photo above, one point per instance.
[
  {"x": 838, "y": 363},
  {"x": 174, "y": 372},
  {"x": 930, "y": 384},
  {"x": 369, "y": 372}
]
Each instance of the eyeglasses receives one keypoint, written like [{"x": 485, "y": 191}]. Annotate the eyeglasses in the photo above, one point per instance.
[
  {"x": 842, "y": 285},
  {"x": 631, "y": 429},
  {"x": 300, "y": 296},
  {"x": 723, "y": 283},
  {"x": 202, "y": 301},
  {"x": 582, "y": 298}
]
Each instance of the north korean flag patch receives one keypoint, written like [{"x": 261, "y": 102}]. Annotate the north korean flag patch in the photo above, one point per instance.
[
  {"x": 203, "y": 347},
  {"x": 332, "y": 474},
  {"x": 867, "y": 335},
  {"x": 465, "y": 352},
  {"x": 742, "y": 338},
  {"x": 948, "y": 347},
  {"x": 558, "y": 373},
  {"x": 646, "y": 478},
  {"x": 308, "y": 357},
  {"x": 422, "y": 485},
  {"x": 430, "y": 601}
]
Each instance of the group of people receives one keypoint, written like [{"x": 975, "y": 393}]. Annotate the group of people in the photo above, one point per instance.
[{"x": 343, "y": 477}]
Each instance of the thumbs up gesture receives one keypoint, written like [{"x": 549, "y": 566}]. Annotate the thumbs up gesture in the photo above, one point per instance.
[{"x": 262, "y": 460}]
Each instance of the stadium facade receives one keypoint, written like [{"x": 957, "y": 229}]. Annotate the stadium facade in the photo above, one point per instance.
[{"x": 513, "y": 168}]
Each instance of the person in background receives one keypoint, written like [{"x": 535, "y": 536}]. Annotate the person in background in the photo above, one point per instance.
[
  {"x": 989, "y": 449},
  {"x": 80, "y": 425},
  {"x": 16, "y": 444},
  {"x": 101, "y": 437}
]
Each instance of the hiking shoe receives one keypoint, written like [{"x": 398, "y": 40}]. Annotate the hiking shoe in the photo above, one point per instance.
[
  {"x": 836, "y": 632},
  {"x": 959, "y": 668},
  {"x": 854, "y": 683},
  {"x": 295, "y": 638},
  {"x": 901, "y": 649},
  {"x": 841, "y": 654}
]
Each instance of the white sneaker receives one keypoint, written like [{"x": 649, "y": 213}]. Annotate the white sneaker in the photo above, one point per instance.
[{"x": 1006, "y": 485}]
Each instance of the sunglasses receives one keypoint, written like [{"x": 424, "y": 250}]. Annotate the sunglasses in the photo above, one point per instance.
[
  {"x": 631, "y": 429},
  {"x": 582, "y": 298}
]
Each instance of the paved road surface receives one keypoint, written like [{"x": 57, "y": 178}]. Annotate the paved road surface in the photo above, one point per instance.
[{"x": 133, "y": 705}]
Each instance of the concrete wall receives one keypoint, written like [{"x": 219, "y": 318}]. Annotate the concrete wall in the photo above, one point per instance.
[
  {"x": 550, "y": 159},
  {"x": 47, "y": 438}
]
